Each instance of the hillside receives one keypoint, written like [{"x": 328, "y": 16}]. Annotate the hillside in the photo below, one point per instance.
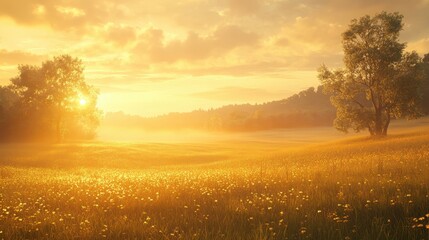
[{"x": 309, "y": 108}]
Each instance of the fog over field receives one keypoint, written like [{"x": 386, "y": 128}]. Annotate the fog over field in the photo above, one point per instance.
[
  {"x": 268, "y": 186},
  {"x": 293, "y": 137}
]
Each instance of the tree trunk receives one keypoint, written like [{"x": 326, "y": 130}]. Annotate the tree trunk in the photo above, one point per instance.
[
  {"x": 386, "y": 125},
  {"x": 59, "y": 129},
  {"x": 371, "y": 131},
  {"x": 378, "y": 130}
]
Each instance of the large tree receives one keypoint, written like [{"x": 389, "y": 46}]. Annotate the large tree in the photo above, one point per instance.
[
  {"x": 53, "y": 101},
  {"x": 380, "y": 80}
]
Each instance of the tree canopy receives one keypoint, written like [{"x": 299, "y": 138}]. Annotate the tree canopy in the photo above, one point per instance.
[
  {"x": 380, "y": 80},
  {"x": 48, "y": 102}
]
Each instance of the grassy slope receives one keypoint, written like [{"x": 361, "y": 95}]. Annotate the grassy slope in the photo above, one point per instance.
[{"x": 352, "y": 189}]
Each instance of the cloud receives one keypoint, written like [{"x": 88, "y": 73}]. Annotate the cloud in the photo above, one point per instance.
[
  {"x": 244, "y": 6},
  {"x": 19, "y": 57},
  {"x": 78, "y": 16},
  {"x": 197, "y": 16},
  {"x": 233, "y": 94},
  {"x": 420, "y": 46},
  {"x": 120, "y": 35},
  {"x": 205, "y": 37},
  {"x": 127, "y": 77},
  {"x": 154, "y": 48},
  {"x": 414, "y": 11},
  {"x": 310, "y": 35},
  {"x": 310, "y": 38},
  {"x": 238, "y": 70}
]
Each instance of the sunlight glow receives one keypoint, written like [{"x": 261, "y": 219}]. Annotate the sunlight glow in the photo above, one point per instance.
[{"x": 82, "y": 102}]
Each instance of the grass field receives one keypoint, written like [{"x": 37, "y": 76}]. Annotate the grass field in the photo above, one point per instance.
[{"x": 357, "y": 188}]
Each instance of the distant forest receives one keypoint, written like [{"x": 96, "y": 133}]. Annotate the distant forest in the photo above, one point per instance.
[{"x": 308, "y": 108}]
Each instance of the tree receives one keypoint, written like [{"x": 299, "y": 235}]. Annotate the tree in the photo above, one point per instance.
[
  {"x": 56, "y": 98},
  {"x": 7, "y": 100},
  {"x": 379, "y": 82},
  {"x": 425, "y": 88}
]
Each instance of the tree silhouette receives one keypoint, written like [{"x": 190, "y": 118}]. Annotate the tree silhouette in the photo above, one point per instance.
[
  {"x": 425, "y": 88},
  {"x": 379, "y": 80},
  {"x": 51, "y": 97}
]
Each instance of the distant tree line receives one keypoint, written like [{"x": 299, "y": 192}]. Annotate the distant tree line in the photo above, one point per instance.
[
  {"x": 50, "y": 102},
  {"x": 309, "y": 108}
]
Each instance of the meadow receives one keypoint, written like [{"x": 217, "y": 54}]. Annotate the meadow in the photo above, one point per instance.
[{"x": 353, "y": 188}]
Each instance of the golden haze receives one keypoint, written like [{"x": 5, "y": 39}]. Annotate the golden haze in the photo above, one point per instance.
[{"x": 150, "y": 58}]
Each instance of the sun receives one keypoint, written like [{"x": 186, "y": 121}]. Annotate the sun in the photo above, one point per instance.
[{"x": 82, "y": 102}]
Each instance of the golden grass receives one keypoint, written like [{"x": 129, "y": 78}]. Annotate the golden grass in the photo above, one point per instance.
[{"x": 359, "y": 188}]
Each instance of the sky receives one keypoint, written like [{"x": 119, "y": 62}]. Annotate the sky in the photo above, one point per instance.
[{"x": 153, "y": 57}]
